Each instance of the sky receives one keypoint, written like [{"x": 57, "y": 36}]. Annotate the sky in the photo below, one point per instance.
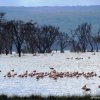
[{"x": 33, "y": 3}]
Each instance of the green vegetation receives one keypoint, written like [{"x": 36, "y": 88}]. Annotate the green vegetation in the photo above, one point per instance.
[{"x": 4, "y": 97}]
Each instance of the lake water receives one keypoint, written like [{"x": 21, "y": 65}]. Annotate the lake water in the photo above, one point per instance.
[{"x": 66, "y": 18}]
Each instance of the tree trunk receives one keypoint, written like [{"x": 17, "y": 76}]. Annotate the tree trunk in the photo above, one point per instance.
[
  {"x": 7, "y": 52},
  {"x": 0, "y": 51},
  {"x": 11, "y": 50},
  {"x": 97, "y": 48},
  {"x": 19, "y": 54},
  {"x": 91, "y": 47},
  {"x": 19, "y": 50},
  {"x": 62, "y": 50}
]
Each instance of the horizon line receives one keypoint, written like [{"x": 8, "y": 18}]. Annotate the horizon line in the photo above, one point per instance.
[{"x": 56, "y": 6}]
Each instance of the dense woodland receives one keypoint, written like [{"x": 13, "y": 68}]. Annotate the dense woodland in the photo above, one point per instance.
[{"x": 30, "y": 37}]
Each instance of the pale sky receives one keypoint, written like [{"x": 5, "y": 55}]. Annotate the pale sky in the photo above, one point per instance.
[{"x": 48, "y": 2}]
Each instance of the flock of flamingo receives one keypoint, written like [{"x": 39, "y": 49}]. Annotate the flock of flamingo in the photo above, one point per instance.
[{"x": 52, "y": 74}]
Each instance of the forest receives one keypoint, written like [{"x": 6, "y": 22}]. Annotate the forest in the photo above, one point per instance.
[{"x": 30, "y": 37}]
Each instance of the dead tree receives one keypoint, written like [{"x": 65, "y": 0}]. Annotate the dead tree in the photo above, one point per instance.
[
  {"x": 63, "y": 41},
  {"x": 2, "y": 20},
  {"x": 83, "y": 31},
  {"x": 73, "y": 40},
  {"x": 18, "y": 32},
  {"x": 96, "y": 39},
  {"x": 30, "y": 36},
  {"x": 7, "y": 37},
  {"x": 45, "y": 38}
]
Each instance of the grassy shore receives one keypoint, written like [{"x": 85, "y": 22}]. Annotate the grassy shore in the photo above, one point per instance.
[{"x": 4, "y": 97}]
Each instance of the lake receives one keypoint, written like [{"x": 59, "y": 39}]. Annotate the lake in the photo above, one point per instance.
[{"x": 67, "y": 18}]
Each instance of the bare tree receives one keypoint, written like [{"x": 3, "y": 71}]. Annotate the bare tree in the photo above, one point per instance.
[
  {"x": 73, "y": 40},
  {"x": 46, "y": 37},
  {"x": 96, "y": 39},
  {"x": 83, "y": 32},
  {"x": 30, "y": 36},
  {"x": 34, "y": 38},
  {"x": 90, "y": 37},
  {"x": 18, "y": 32},
  {"x": 7, "y": 37},
  {"x": 63, "y": 41},
  {"x": 1, "y": 43},
  {"x": 1, "y": 32}
]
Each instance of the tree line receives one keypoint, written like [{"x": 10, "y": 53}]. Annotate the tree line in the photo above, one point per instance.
[{"x": 30, "y": 37}]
